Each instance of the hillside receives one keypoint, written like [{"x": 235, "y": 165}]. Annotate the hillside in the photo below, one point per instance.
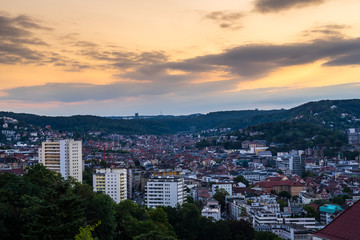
[
  {"x": 334, "y": 114},
  {"x": 85, "y": 123},
  {"x": 337, "y": 114}
]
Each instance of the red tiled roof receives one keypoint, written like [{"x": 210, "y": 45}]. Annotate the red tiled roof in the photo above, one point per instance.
[
  {"x": 17, "y": 171},
  {"x": 345, "y": 226},
  {"x": 269, "y": 184}
]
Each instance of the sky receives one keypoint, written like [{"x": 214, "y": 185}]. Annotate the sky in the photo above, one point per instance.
[{"x": 118, "y": 58}]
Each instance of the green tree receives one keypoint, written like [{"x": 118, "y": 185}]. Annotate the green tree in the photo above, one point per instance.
[
  {"x": 347, "y": 190},
  {"x": 284, "y": 195},
  {"x": 266, "y": 236},
  {"x": 337, "y": 200},
  {"x": 242, "y": 179},
  {"x": 51, "y": 210},
  {"x": 187, "y": 221},
  {"x": 153, "y": 235},
  {"x": 102, "y": 208},
  {"x": 241, "y": 230},
  {"x": 85, "y": 232},
  {"x": 203, "y": 143},
  {"x": 88, "y": 176},
  {"x": 220, "y": 195},
  {"x": 159, "y": 217},
  {"x": 310, "y": 211},
  {"x": 103, "y": 164},
  {"x": 282, "y": 203}
]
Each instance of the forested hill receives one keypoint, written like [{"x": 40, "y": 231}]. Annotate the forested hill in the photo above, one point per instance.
[
  {"x": 335, "y": 114},
  {"x": 338, "y": 114}
]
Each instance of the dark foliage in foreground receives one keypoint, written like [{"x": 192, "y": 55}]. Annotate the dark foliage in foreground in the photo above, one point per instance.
[{"x": 42, "y": 205}]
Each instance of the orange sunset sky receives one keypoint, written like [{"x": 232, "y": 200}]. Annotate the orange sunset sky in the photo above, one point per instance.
[{"x": 116, "y": 57}]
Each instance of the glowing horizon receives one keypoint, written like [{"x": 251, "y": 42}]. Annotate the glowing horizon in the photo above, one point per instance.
[{"x": 179, "y": 57}]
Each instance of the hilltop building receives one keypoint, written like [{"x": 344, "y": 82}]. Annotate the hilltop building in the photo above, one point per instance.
[
  {"x": 63, "y": 156},
  {"x": 353, "y": 135},
  {"x": 111, "y": 181}
]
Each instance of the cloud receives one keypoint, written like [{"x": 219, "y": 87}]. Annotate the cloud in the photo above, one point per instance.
[
  {"x": 19, "y": 53},
  {"x": 266, "y": 6},
  {"x": 85, "y": 44},
  {"x": 258, "y": 60},
  {"x": 327, "y": 31},
  {"x": 16, "y": 37},
  {"x": 226, "y": 19},
  {"x": 245, "y": 62},
  {"x": 77, "y": 92},
  {"x": 12, "y": 28}
]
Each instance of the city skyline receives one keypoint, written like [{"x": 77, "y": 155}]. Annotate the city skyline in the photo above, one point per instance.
[{"x": 182, "y": 57}]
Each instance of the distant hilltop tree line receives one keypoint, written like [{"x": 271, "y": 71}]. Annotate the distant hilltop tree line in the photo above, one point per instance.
[
  {"x": 43, "y": 205},
  {"x": 332, "y": 114},
  {"x": 287, "y": 134}
]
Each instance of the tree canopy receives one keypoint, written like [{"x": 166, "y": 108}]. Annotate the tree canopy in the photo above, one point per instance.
[{"x": 43, "y": 205}]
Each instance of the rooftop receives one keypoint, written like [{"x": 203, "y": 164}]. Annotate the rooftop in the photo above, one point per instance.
[{"x": 345, "y": 226}]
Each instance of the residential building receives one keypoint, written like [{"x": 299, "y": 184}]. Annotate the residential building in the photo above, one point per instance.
[
  {"x": 226, "y": 186},
  {"x": 264, "y": 217},
  {"x": 292, "y": 231},
  {"x": 297, "y": 165},
  {"x": 165, "y": 192},
  {"x": 111, "y": 181},
  {"x": 328, "y": 212},
  {"x": 212, "y": 209},
  {"x": 291, "y": 163},
  {"x": 291, "y": 186},
  {"x": 345, "y": 226},
  {"x": 63, "y": 156},
  {"x": 353, "y": 135}
]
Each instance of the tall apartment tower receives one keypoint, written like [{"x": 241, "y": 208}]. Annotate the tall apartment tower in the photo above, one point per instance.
[
  {"x": 297, "y": 165},
  {"x": 63, "y": 156},
  {"x": 111, "y": 181},
  {"x": 165, "y": 192}
]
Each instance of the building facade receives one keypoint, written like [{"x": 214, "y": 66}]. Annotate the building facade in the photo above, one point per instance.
[
  {"x": 63, "y": 156},
  {"x": 111, "y": 181},
  {"x": 164, "y": 192},
  {"x": 226, "y": 186}
]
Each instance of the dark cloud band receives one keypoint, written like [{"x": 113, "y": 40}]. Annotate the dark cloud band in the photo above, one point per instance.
[{"x": 266, "y": 6}]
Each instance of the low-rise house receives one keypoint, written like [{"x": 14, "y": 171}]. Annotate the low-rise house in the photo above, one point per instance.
[
  {"x": 328, "y": 212},
  {"x": 345, "y": 226},
  {"x": 212, "y": 209}
]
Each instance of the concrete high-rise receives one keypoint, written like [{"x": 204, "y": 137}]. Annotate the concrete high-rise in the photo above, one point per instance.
[
  {"x": 165, "y": 192},
  {"x": 297, "y": 165},
  {"x": 63, "y": 156},
  {"x": 111, "y": 181}
]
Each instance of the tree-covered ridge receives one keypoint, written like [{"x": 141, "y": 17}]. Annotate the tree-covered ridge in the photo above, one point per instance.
[
  {"x": 85, "y": 123},
  {"x": 337, "y": 114},
  {"x": 334, "y": 114},
  {"x": 295, "y": 134},
  {"x": 43, "y": 205},
  {"x": 284, "y": 136}
]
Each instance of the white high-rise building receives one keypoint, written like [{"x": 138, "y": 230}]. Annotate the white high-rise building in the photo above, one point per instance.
[
  {"x": 111, "y": 181},
  {"x": 63, "y": 156},
  {"x": 165, "y": 192}
]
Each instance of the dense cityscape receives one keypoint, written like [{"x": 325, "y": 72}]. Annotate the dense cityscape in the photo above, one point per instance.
[
  {"x": 180, "y": 120},
  {"x": 228, "y": 174}
]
